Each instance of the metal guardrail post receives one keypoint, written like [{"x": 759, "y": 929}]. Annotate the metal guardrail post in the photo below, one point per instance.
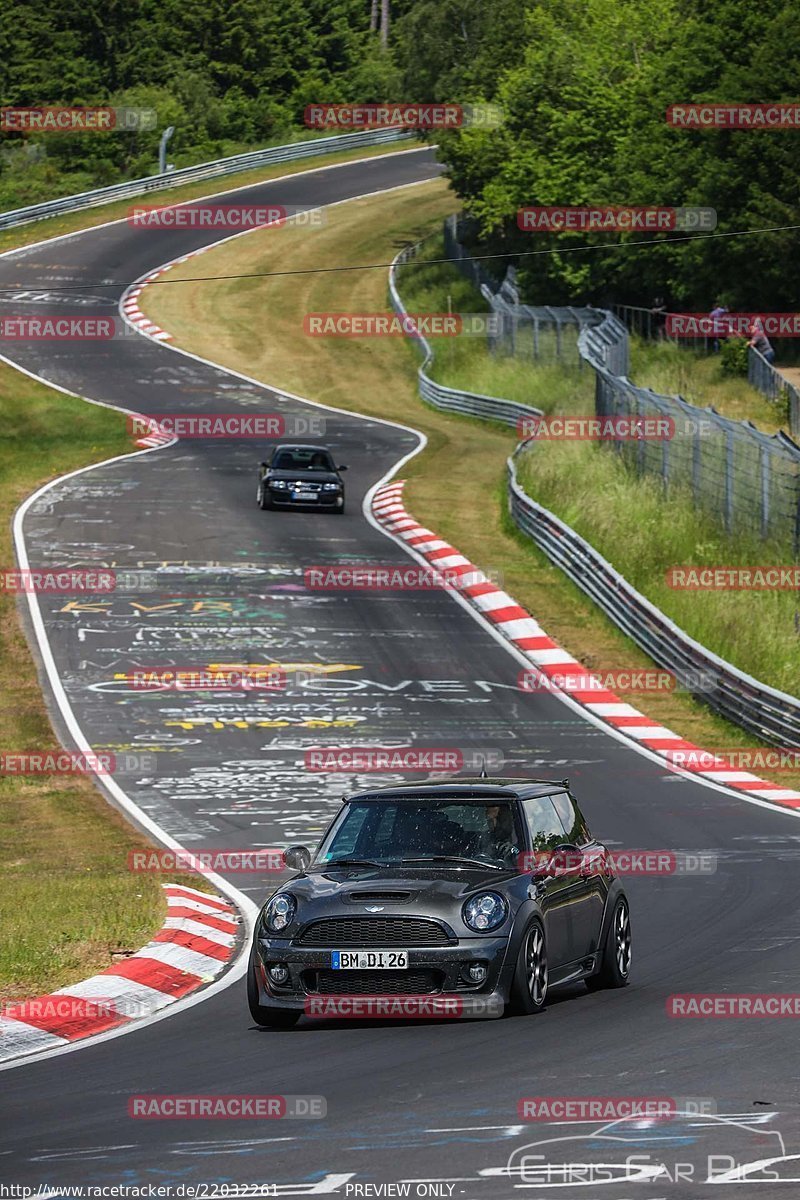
[
  {"x": 729, "y": 507},
  {"x": 765, "y": 464}
]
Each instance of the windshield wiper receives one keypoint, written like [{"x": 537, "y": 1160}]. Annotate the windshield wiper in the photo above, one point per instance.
[
  {"x": 453, "y": 858},
  {"x": 350, "y": 862}
]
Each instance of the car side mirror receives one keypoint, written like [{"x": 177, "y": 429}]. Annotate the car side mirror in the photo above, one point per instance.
[
  {"x": 564, "y": 859},
  {"x": 297, "y": 857},
  {"x": 264, "y": 465},
  {"x": 342, "y": 467}
]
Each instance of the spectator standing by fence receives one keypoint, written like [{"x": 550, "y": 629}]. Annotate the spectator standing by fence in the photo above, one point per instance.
[
  {"x": 760, "y": 342},
  {"x": 719, "y": 329},
  {"x": 658, "y": 312}
]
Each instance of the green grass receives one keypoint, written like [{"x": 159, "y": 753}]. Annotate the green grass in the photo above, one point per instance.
[
  {"x": 643, "y": 533},
  {"x": 636, "y": 527},
  {"x": 463, "y": 362},
  {"x": 698, "y": 377}
]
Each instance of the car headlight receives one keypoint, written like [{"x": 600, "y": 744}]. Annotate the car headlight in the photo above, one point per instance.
[
  {"x": 485, "y": 911},
  {"x": 331, "y": 487},
  {"x": 278, "y": 483},
  {"x": 279, "y": 912}
]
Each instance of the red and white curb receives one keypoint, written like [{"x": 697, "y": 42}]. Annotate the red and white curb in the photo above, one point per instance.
[
  {"x": 157, "y": 435},
  {"x": 130, "y": 301},
  {"x": 547, "y": 657},
  {"x": 195, "y": 944}
]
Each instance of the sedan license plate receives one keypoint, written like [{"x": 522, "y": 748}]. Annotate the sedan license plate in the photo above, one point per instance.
[
  {"x": 369, "y": 960},
  {"x": 305, "y": 497}
]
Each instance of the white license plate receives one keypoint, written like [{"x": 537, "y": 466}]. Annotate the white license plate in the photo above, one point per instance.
[
  {"x": 306, "y": 497},
  {"x": 369, "y": 960}
]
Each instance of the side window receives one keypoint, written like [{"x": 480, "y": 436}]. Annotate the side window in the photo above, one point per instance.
[
  {"x": 574, "y": 827},
  {"x": 544, "y": 823}
]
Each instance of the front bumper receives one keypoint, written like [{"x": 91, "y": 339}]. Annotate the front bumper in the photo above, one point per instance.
[
  {"x": 284, "y": 499},
  {"x": 434, "y": 974}
]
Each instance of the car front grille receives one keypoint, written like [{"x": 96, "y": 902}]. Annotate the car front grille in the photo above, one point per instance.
[
  {"x": 373, "y": 983},
  {"x": 337, "y": 932}
]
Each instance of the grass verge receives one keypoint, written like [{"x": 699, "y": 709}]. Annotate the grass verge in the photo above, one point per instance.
[
  {"x": 258, "y": 330},
  {"x": 699, "y": 378},
  {"x": 68, "y": 903}
]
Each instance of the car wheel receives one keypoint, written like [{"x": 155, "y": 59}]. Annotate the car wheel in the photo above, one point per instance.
[
  {"x": 529, "y": 985},
  {"x": 267, "y": 1017},
  {"x": 340, "y": 511},
  {"x": 262, "y": 498},
  {"x": 615, "y": 967}
]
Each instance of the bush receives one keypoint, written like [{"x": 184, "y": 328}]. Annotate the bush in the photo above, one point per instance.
[{"x": 733, "y": 356}]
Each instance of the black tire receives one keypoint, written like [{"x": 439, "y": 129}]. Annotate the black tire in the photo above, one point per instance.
[
  {"x": 267, "y": 1017},
  {"x": 340, "y": 511},
  {"x": 529, "y": 985},
  {"x": 262, "y": 497},
  {"x": 615, "y": 965}
]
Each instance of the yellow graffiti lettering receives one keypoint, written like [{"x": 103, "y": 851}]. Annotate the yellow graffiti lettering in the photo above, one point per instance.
[
  {"x": 311, "y": 668},
  {"x": 76, "y": 606}
]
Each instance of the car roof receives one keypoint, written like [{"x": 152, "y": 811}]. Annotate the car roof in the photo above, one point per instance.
[
  {"x": 300, "y": 446},
  {"x": 465, "y": 788}
]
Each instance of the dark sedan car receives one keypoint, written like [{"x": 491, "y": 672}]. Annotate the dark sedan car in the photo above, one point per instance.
[
  {"x": 301, "y": 477},
  {"x": 487, "y": 891}
]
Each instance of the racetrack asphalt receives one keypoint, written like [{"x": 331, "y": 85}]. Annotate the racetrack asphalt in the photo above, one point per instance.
[{"x": 422, "y": 1101}]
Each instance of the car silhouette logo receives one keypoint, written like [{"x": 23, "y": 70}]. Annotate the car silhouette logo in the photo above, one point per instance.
[{"x": 374, "y": 908}]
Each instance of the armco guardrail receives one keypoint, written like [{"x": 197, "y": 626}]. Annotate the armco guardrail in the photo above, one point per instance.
[
  {"x": 210, "y": 170},
  {"x": 471, "y": 404},
  {"x": 769, "y": 714}
]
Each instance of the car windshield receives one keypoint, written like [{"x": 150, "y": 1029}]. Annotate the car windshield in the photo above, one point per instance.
[
  {"x": 302, "y": 459},
  {"x": 415, "y": 830}
]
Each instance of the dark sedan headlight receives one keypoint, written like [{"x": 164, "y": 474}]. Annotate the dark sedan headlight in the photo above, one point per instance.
[
  {"x": 279, "y": 912},
  {"x": 485, "y": 912},
  {"x": 331, "y": 487},
  {"x": 278, "y": 483}
]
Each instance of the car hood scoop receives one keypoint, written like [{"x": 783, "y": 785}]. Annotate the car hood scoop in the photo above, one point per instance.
[{"x": 394, "y": 897}]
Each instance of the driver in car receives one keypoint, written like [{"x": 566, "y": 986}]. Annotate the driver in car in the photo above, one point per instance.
[{"x": 498, "y": 841}]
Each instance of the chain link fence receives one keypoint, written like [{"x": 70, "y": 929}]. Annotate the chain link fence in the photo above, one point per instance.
[
  {"x": 749, "y": 480},
  {"x": 539, "y": 332},
  {"x": 775, "y": 387},
  {"x": 650, "y": 325}
]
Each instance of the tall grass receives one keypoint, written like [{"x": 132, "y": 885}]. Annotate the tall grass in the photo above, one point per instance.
[{"x": 630, "y": 519}]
